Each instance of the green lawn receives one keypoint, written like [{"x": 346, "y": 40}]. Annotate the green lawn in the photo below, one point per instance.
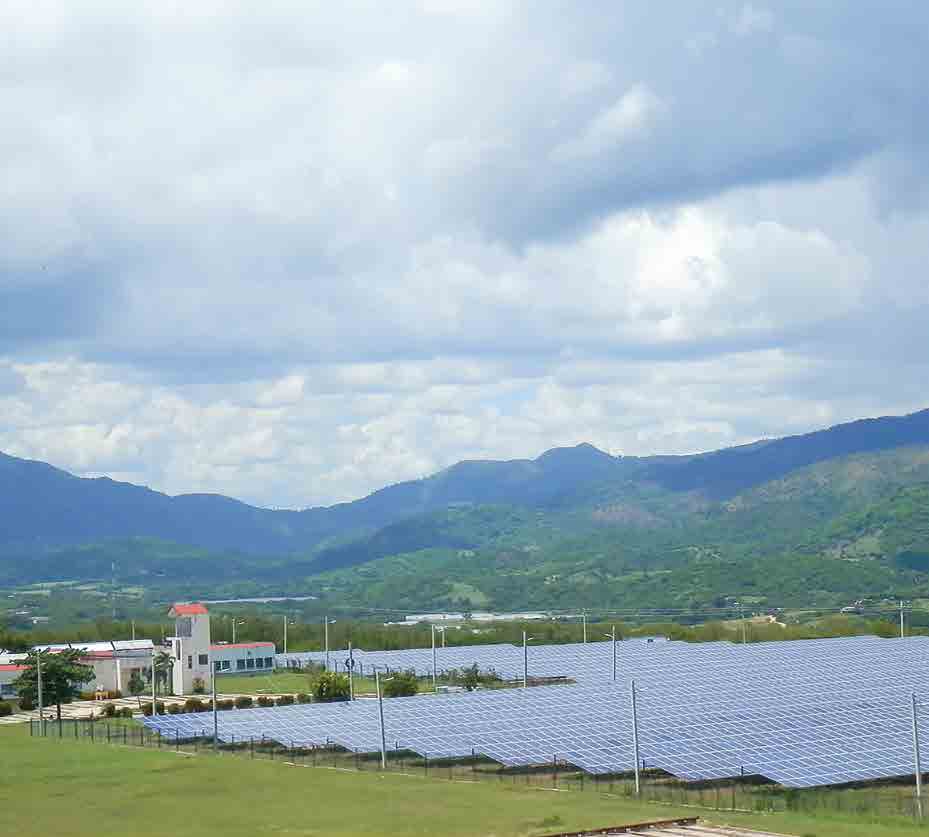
[
  {"x": 284, "y": 682},
  {"x": 77, "y": 789}
]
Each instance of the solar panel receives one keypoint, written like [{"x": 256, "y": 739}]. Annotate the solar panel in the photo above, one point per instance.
[{"x": 804, "y": 713}]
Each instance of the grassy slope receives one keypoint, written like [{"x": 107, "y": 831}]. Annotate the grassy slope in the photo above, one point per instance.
[
  {"x": 73, "y": 789},
  {"x": 280, "y": 682}
]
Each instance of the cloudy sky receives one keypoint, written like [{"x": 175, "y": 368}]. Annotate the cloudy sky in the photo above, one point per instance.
[{"x": 293, "y": 251}]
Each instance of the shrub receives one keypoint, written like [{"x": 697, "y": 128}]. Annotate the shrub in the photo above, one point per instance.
[
  {"x": 199, "y": 686},
  {"x": 26, "y": 703},
  {"x": 330, "y": 686},
  {"x": 175, "y": 709},
  {"x": 285, "y": 700},
  {"x": 87, "y": 696},
  {"x": 116, "y": 694},
  {"x": 401, "y": 684},
  {"x": 265, "y": 701},
  {"x": 223, "y": 705},
  {"x": 5, "y": 709},
  {"x": 109, "y": 711},
  {"x": 303, "y": 697},
  {"x": 125, "y": 712},
  {"x": 243, "y": 702},
  {"x": 146, "y": 709},
  {"x": 194, "y": 705}
]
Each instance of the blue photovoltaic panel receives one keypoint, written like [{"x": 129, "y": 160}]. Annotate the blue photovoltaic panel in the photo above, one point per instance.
[{"x": 804, "y": 713}]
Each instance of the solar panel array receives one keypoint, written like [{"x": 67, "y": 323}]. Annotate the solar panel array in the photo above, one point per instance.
[
  {"x": 814, "y": 712},
  {"x": 577, "y": 660}
]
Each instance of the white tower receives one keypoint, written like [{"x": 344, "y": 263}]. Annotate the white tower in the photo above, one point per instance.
[{"x": 190, "y": 647}]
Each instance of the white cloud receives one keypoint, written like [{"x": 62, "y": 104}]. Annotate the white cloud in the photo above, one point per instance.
[{"x": 293, "y": 255}]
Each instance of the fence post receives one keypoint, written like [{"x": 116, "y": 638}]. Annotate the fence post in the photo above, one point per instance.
[{"x": 177, "y": 741}]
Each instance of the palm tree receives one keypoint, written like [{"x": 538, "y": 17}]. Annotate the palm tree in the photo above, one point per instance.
[{"x": 164, "y": 665}]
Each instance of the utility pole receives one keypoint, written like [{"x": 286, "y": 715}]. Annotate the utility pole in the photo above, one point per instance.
[
  {"x": 435, "y": 684},
  {"x": 584, "y": 620},
  {"x": 285, "y": 633},
  {"x": 742, "y": 620},
  {"x": 901, "y": 619},
  {"x": 635, "y": 739},
  {"x": 916, "y": 759},
  {"x": 133, "y": 630}
]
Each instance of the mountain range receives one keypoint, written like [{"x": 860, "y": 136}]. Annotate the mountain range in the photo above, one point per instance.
[{"x": 827, "y": 516}]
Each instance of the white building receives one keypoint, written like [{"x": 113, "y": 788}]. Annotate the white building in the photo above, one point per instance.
[
  {"x": 190, "y": 647},
  {"x": 113, "y": 663},
  {"x": 9, "y": 671},
  {"x": 243, "y": 657}
]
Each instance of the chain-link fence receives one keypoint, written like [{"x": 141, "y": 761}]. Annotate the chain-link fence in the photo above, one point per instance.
[{"x": 894, "y": 799}]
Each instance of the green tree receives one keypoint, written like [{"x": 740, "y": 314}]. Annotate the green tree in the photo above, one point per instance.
[
  {"x": 136, "y": 683},
  {"x": 470, "y": 678},
  {"x": 63, "y": 674},
  {"x": 401, "y": 684},
  {"x": 330, "y": 686}
]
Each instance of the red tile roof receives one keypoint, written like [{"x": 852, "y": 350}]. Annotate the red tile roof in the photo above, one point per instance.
[
  {"x": 6, "y": 667},
  {"x": 223, "y": 645},
  {"x": 192, "y": 609}
]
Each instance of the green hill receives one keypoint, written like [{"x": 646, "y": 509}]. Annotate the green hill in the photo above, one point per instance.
[{"x": 829, "y": 517}]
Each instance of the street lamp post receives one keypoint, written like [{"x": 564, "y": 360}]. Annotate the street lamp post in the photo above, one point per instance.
[
  {"x": 154, "y": 691},
  {"x": 350, "y": 665},
  {"x": 635, "y": 738},
  {"x": 326, "y": 623},
  {"x": 215, "y": 712},
  {"x": 916, "y": 759},
  {"x": 234, "y": 623},
  {"x": 612, "y": 636},
  {"x": 380, "y": 715},
  {"x": 38, "y": 666},
  {"x": 526, "y": 658}
]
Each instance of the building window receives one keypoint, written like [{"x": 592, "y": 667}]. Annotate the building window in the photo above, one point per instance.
[
  {"x": 190, "y": 661},
  {"x": 225, "y": 665},
  {"x": 269, "y": 662},
  {"x": 204, "y": 660},
  {"x": 249, "y": 663},
  {"x": 240, "y": 664},
  {"x": 259, "y": 663},
  {"x": 177, "y": 649}
]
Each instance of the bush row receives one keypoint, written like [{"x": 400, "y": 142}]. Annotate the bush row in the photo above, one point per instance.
[{"x": 197, "y": 705}]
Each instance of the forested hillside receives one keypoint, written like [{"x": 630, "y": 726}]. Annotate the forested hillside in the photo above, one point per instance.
[{"x": 830, "y": 517}]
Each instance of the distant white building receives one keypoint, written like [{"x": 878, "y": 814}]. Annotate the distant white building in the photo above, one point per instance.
[
  {"x": 114, "y": 663},
  {"x": 243, "y": 657},
  {"x": 9, "y": 671},
  {"x": 190, "y": 647}
]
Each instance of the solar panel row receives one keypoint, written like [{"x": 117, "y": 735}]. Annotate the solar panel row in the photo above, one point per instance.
[{"x": 801, "y": 713}]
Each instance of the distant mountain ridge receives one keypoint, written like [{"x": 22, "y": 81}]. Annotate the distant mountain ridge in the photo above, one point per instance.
[{"x": 567, "y": 492}]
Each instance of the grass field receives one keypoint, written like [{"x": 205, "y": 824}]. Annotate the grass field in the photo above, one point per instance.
[
  {"x": 78, "y": 789},
  {"x": 285, "y": 682}
]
